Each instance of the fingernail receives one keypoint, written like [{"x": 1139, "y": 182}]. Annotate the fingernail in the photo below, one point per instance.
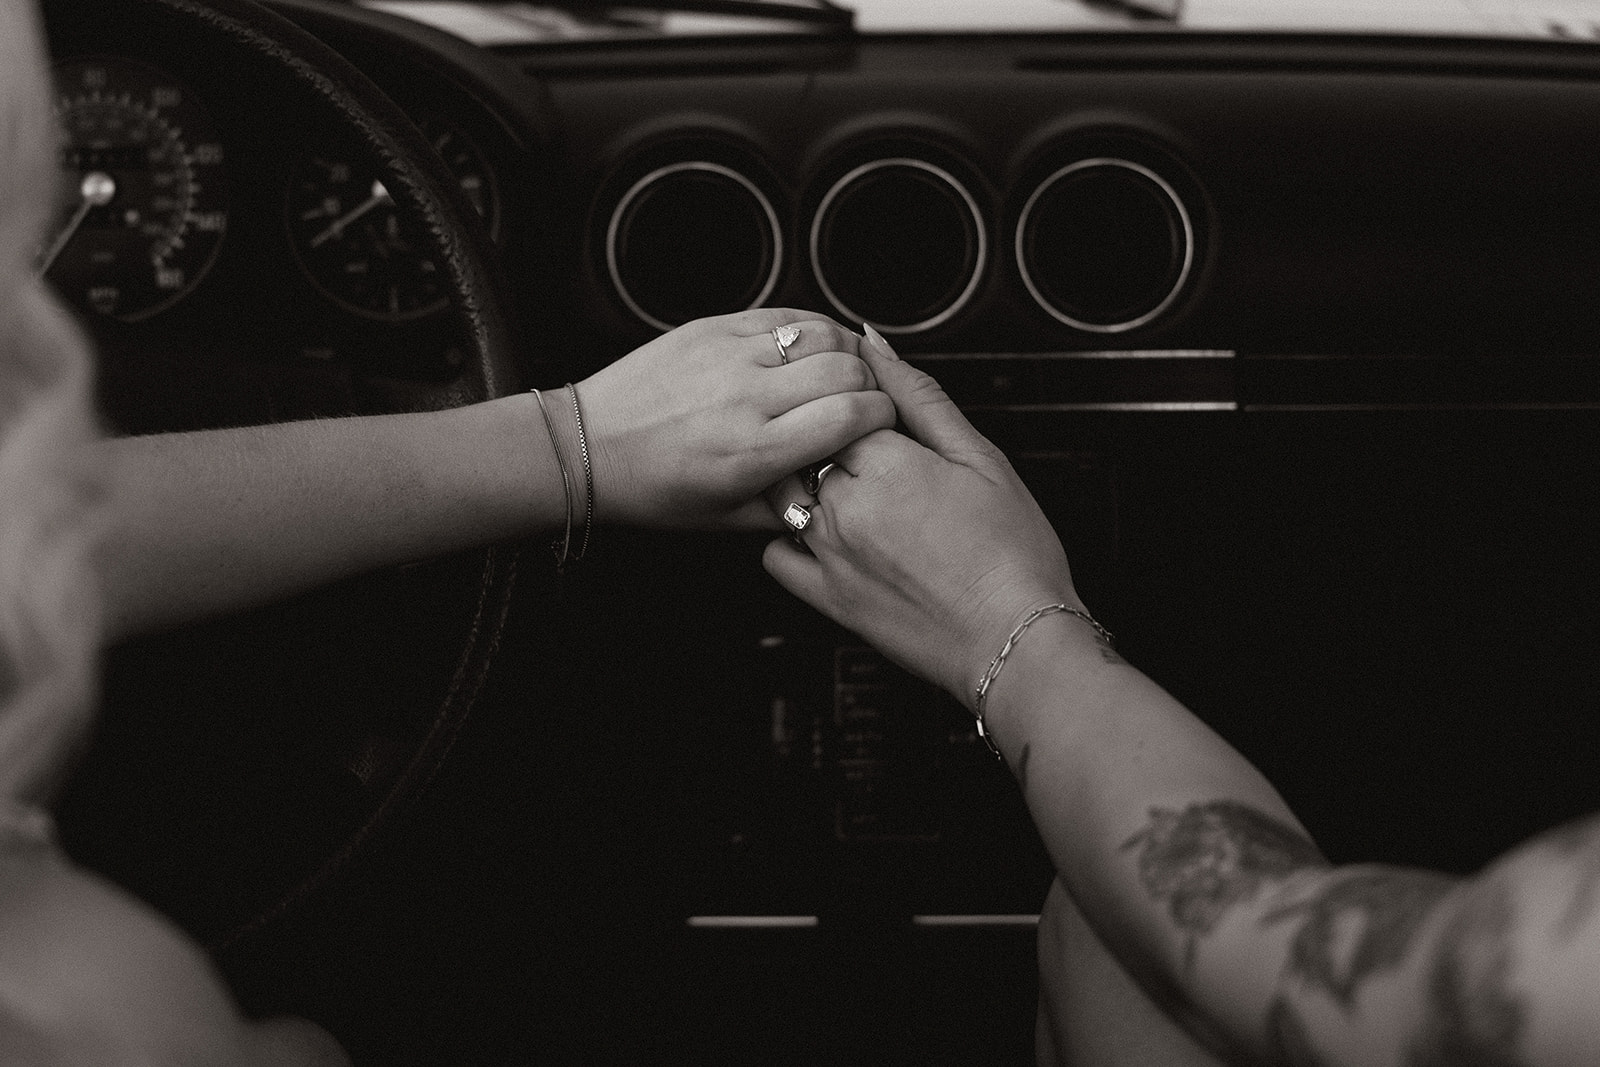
[{"x": 878, "y": 342}]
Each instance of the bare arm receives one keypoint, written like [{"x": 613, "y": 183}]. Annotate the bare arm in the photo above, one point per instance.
[
  {"x": 1184, "y": 860},
  {"x": 1200, "y": 878},
  {"x": 686, "y": 431},
  {"x": 91, "y": 975},
  {"x": 203, "y": 523}
]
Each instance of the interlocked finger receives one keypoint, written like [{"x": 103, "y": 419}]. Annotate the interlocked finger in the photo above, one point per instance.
[
  {"x": 820, "y": 374},
  {"x": 801, "y": 509}
]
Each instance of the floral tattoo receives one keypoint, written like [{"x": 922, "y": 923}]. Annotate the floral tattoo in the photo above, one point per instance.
[
  {"x": 1204, "y": 860},
  {"x": 1358, "y": 926},
  {"x": 1474, "y": 1020}
]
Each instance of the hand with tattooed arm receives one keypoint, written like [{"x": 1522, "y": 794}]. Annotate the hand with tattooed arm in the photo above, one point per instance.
[{"x": 1206, "y": 903}]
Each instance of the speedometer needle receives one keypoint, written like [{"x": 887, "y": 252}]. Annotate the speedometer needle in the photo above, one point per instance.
[
  {"x": 96, "y": 189},
  {"x": 379, "y": 195}
]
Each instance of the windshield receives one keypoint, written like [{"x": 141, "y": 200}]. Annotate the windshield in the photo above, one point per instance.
[{"x": 488, "y": 22}]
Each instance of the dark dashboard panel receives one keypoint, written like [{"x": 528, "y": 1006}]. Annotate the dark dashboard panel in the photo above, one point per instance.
[
  {"x": 1319, "y": 445},
  {"x": 1392, "y": 243},
  {"x": 1407, "y": 207}
]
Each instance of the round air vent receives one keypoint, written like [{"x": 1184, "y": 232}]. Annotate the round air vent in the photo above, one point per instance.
[
  {"x": 899, "y": 243},
  {"x": 693, "y": 239},
  {"x": 1105, "y": 245}
]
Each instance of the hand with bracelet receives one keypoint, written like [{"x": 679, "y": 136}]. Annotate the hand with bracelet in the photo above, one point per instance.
[
  {"x": 684, "y": 432},
  {"x": 927, "y": 545},
  {"x": 1193, "y": 920}
]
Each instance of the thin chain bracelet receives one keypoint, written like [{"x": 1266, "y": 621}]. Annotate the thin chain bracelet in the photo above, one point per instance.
[
  {"x": 1011, "y": 642},
  {"x": 588, "y": 474},
  {"x": 561, "y": 548}
]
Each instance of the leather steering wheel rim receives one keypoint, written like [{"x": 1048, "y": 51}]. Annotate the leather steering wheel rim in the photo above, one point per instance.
[{"x": 423, "y": 189}]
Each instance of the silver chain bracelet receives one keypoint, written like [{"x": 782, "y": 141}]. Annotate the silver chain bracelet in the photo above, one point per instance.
[{"x": 1011, "y": 642}]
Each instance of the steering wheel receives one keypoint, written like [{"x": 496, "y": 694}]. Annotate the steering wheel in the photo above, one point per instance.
[{"x": 239, "y": 766}]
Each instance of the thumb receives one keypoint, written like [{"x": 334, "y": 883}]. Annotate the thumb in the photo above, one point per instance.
[{"x": 930, "y": 416}]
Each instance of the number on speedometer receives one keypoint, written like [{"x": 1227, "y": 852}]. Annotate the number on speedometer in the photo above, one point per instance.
[{"x": 145, "y": 206}]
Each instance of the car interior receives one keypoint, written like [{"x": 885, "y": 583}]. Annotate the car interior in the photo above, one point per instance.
[{"x": 1291, "y": 332}]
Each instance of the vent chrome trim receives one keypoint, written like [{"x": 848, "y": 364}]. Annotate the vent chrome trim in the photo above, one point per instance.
[
  {"x": 753, "y": 922},
  {"x": 1118, "y": 405},
  {"x": 970, "y": 921},
  {"x": 1183, "y": 272},
  {"x": 1105, "y": 354},
  {"x": 978, "y": 268},
  {"x": 637, "y": 189}
]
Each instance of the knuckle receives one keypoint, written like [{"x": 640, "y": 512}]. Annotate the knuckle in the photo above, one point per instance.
[
  {"x": 836, "y": 337},
  {"x": 881, "y": 411},
  {"x": 843, "y": 373},
  {"x": 843, "y": 524},
  {"x": 925, "y": 389},
  {"x": 864, "y": 379},
  {"x": 829, "y": 323}
]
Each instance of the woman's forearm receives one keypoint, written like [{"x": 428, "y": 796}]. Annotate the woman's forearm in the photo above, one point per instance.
[
  {"x": 685, "y": 431},
  {"x": 1193, "y": 874},
  {"x": 1193, "y": 870},
  {"x": 204, "y": 523},
  {"x": 1162, "y": 832}
]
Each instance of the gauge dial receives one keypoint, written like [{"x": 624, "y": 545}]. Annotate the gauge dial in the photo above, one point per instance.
[
  {"x": 353, "y": 242},
  {"x": 472, "y": 171},
  {"x": 145, "y": 204}
]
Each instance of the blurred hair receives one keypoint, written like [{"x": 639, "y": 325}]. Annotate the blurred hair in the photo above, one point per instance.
[{"x": 49, "y": 610}]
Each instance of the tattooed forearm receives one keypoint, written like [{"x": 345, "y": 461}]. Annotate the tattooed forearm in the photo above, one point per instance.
[
  {"x": 1357, "y": 926},
  {"x": 1207, "y": 858},
  {"x": 1474, "y": 1019}
]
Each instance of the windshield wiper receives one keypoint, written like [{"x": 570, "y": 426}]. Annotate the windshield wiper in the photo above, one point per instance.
[
  {"x": 820, "y": 12},
  {"x": 1157, "y": 10}
]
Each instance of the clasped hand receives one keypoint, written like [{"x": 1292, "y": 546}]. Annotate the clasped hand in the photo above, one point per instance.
[
  {"x": 688, "y": 430},
  {"x": 925, "y": 543}
]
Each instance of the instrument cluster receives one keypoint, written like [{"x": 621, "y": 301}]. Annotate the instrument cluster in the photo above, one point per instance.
[
  {"x": 146, "y": 178},
  {"x": 216, "y": 231}
]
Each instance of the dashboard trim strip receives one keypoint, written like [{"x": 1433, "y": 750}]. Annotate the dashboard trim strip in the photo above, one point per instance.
[
  {"x": 1131, "y": 405},
  {"x": 1140, "y": 353},
  {"x": 753, "y": 922}
]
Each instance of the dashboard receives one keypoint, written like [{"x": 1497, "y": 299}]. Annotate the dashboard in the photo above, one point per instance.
[{"x": 1293, "y": 336}]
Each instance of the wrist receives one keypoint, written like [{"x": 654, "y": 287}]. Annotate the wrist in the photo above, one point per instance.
[
  {"x": 567, "y": 478},
  {"x": 607, "y": 439},
  {"x": 1048, "y": 657}
]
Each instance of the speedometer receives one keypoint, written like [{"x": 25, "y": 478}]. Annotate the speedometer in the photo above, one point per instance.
[{"x": 144, "y": 208}]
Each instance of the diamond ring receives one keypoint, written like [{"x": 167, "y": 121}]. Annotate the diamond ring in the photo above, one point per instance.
[
  {"x": 798, "y": 516},
  {"x": 784, "y": 336}
]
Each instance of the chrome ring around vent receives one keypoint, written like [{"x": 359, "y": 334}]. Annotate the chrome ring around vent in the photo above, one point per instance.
[
  {"x": 639, "y": 187},
  {"x": 979, "y": 265},
  {"x": 1177, "y": 285}
]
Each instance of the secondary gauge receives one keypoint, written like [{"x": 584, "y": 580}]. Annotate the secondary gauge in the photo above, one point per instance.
[
  {"x": 145, "y": 200},
  {"x": 355, "y": 246},
  {"x": 461, "y": 154}
]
